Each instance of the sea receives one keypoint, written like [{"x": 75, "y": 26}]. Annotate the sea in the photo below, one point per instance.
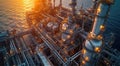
[{"x": 12, "y": 15}]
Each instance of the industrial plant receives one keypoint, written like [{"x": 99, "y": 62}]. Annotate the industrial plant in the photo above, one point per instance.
[{"x": 59, "y": 36}]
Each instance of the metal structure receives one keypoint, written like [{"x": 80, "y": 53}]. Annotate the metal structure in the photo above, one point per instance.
[{"x": 61, "y": 38}]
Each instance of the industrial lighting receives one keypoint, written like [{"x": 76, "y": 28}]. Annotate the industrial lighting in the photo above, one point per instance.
[
  {"x": 91, "y": 35},
  {"x": 97, "y": 49},
  {"x": 11, "y": 52},
  {"x": 102, "y": 27},
  {"x": 84, "y": 51},
  {"x": 86, "y": 58},
  {"x": 64, "y": 26},
  {"x": 71, "y": 31},
  {"x": 72, "y": 42},
  {"x": 98, "y": 10},
  {"x": 99, "y": 37},
  {"x": 40, "y": 49},
  {"x": 19, "y": 48},
  {"x": 68, "y": 36},
  {"x": 63, "y": 39},
  {"x": 83, "y": 62}
]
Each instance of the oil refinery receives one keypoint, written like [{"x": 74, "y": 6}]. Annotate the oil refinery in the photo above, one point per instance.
[{"x": 58, "y": 36}]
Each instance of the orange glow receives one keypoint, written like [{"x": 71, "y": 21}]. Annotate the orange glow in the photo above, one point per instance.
[
  {"x": 68, "y": 36},
  {"x": 63, "y": 40},
  {"x": 99, "y": 37},
  {"x": 97, "y": 49},
  {"x": 71, "y": 31},
  {"x": 64, "y": 28},
  {"x": 28, "y": 4},
  {"x": 87, "y": 58},
  {"x": 72, "y": 42},
  {"x": 11, "y": 52},
  {"x": 25, "y": 26},
  {"x": 98, "y": 10},
  {"x": 83, "y": 62},
  {"x": 102, "y": 27},
  {"x": 84, "y": 51}
]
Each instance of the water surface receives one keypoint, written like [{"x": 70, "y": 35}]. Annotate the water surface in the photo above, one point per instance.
[{"x": 12, "y": 14}]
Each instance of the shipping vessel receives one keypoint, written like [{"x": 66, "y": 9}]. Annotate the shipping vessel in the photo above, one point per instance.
[{"x": 58, "y": 36}]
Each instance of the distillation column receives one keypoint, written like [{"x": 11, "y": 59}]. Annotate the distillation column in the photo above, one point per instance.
[{"x": 94, "y": 42}]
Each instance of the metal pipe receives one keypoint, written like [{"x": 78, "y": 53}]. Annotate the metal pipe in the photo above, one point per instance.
[
  {"x": 21, "y": 50},
  {"x": 27, "y": 52},
  {"x": 43, "y": 58},
  {"x": 49, "y": 45}
]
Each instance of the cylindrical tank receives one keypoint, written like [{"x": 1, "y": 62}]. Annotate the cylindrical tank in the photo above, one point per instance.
[
  {"x": 93, "y": 44},
  {"x": 99, "y": 19},
  {"x": 101, "y": 14}
]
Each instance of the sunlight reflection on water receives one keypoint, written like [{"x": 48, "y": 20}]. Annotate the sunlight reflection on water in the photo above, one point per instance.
[{"x": 12, "y": 14}]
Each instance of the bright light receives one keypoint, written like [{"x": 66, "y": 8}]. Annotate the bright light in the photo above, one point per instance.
[
  {"x": 64, "y": 40},
  {"x": 99, "y": 37},
  {"x": 83, "y": 62},
  {"x": 99, "y": 9},
  {"x": 87, "y": 58},
  {"x": 97, "y": 49},
  {"x": 68, "y": 36},
  {"x": 83, "y": 51},
  {"x": 102, "y": 27},
  {"x": 64, "y": 26},
  {"x": 71, "y": 31},
  {"x": 28, "y": 4}
]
